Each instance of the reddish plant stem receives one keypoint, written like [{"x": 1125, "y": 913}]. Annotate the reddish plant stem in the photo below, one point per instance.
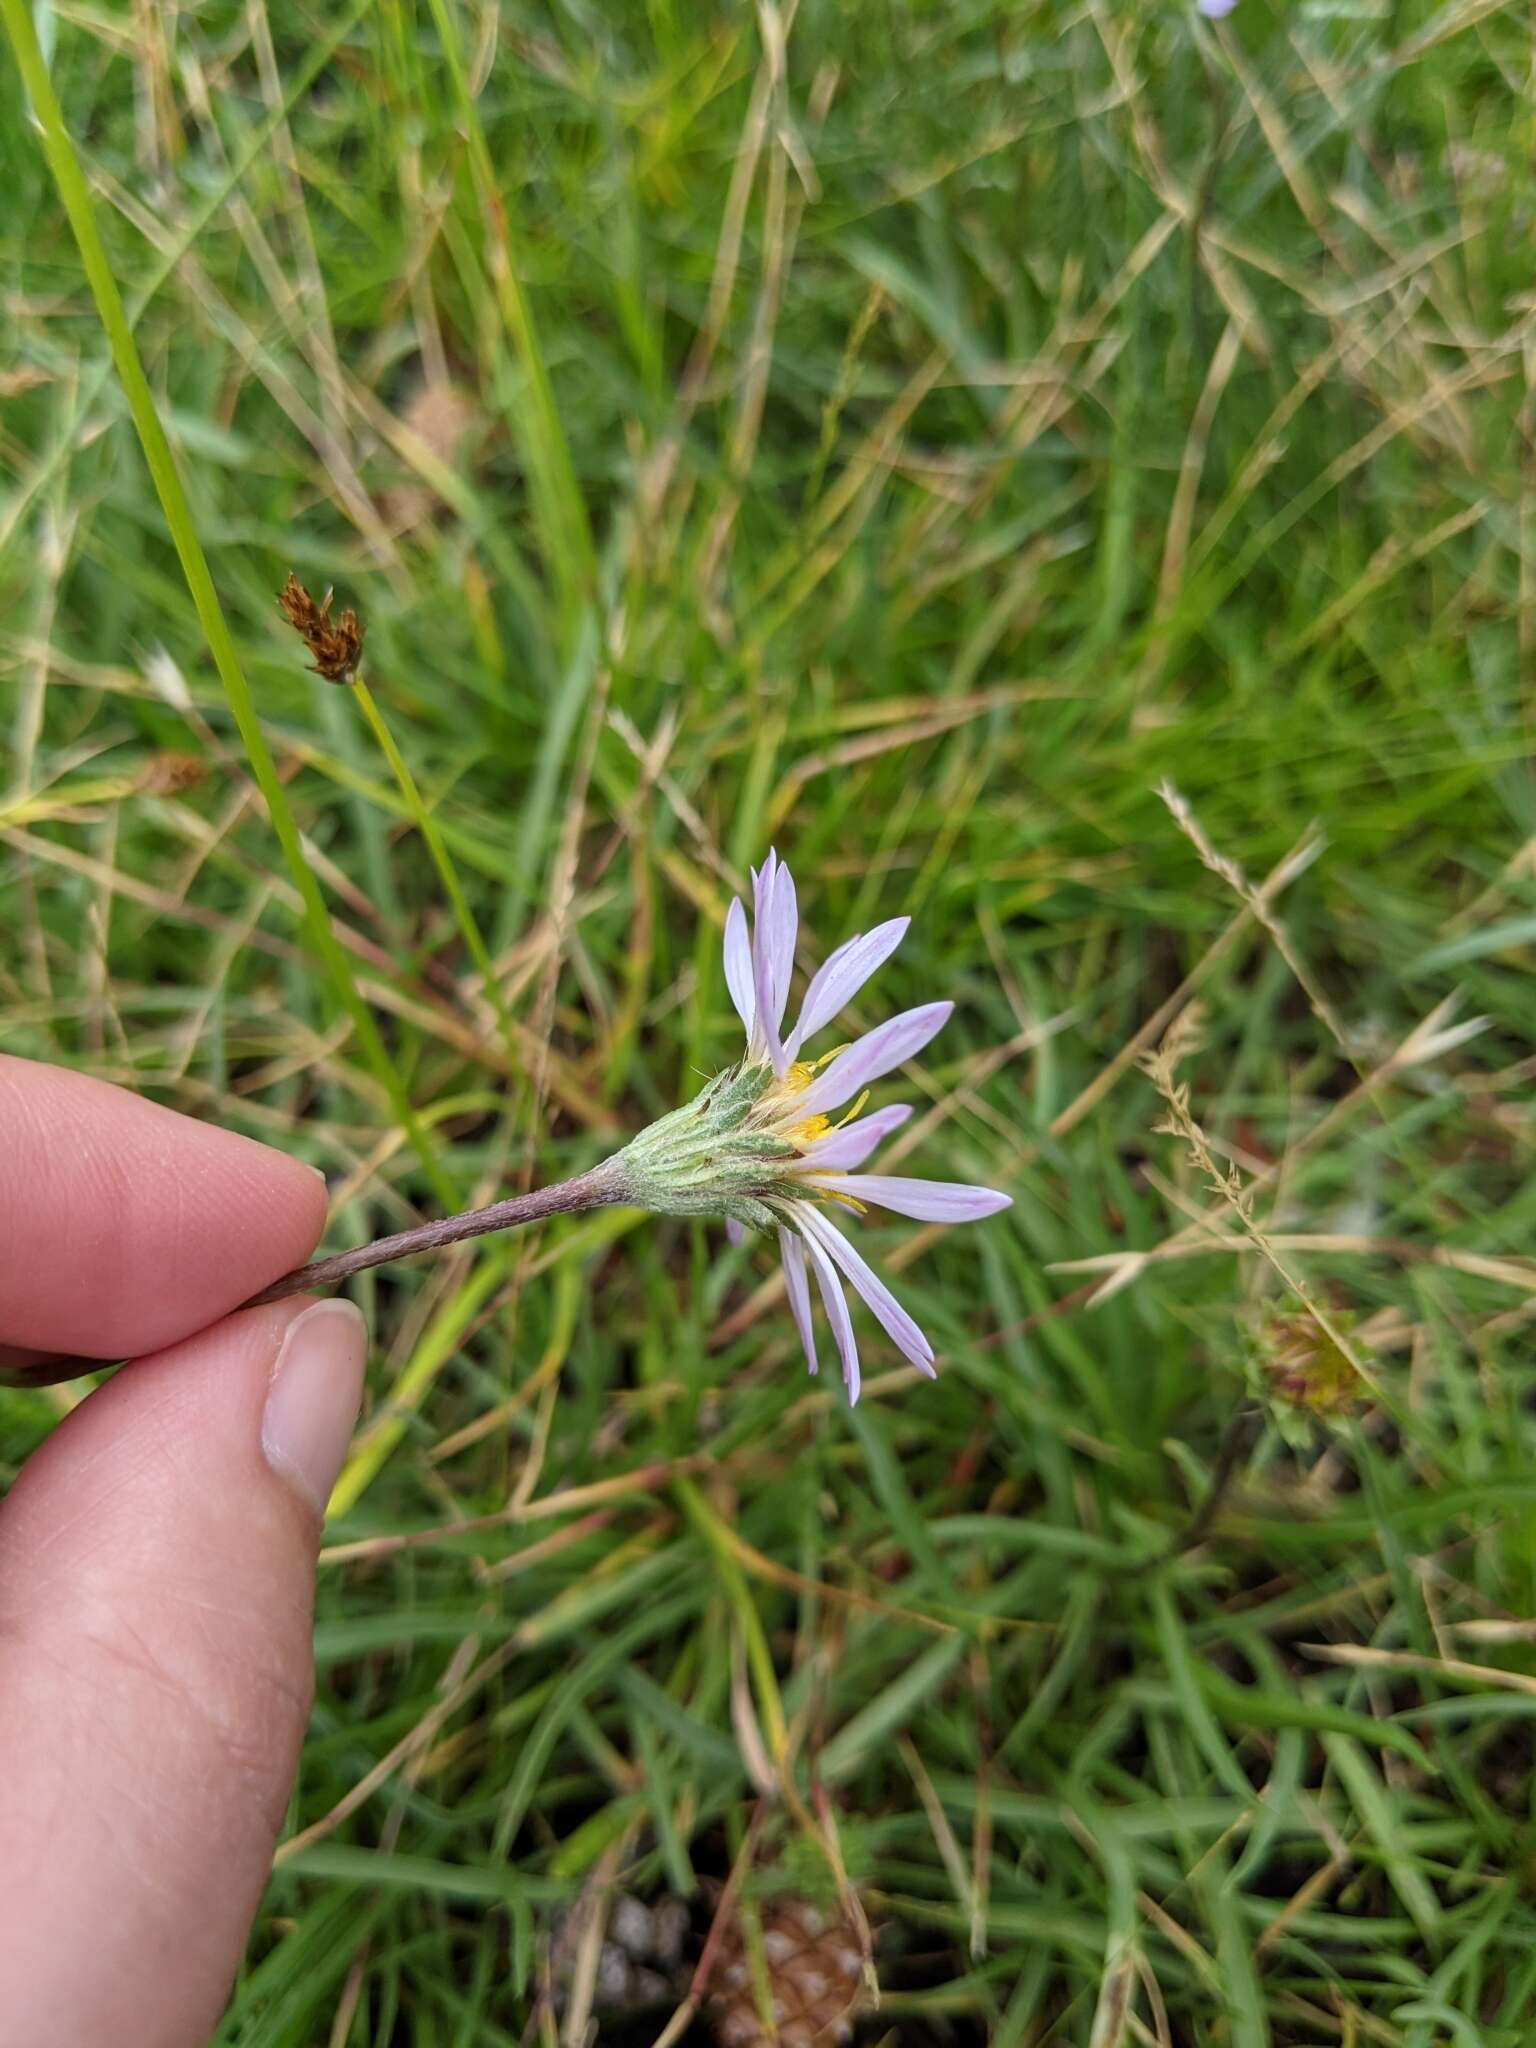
[{"x": 596, "y": 1189}]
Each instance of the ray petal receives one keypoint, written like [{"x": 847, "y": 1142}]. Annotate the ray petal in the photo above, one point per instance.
[
  {"x": 792, "y": 1250},
  {"x": 842, "y": 1150},
  {"x": 886, "y": 1309},
  {"x": 836, "y": 1304},
  {"x": 738, "y": 965},
  {"x": 889, "y": 1045},
  {"x": 841, "y": 975},
  {"x": 929, "y": 1201}
]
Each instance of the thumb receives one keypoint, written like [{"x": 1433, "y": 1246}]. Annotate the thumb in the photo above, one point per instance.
[{"x": 156, "y": 1592}]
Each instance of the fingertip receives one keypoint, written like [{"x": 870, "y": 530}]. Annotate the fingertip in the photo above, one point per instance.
[
  {"x": 156, "y": 1585},
  {"x": 127, "y": 1225},
  {"x": 313, "y": 1398}
]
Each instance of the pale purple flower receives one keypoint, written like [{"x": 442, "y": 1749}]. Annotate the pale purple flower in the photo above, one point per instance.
[
  {"x": 1215, "y": 10},
  {"x": 796, "y": 1108}
]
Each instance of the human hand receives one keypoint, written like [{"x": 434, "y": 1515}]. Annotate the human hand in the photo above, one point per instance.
[{"x": 156, "y": 1555}]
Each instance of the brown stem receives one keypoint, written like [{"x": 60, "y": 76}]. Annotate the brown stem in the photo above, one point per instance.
[
  {"x": 599, "y": 1187},
  {"x": 591, "y": 1190}
]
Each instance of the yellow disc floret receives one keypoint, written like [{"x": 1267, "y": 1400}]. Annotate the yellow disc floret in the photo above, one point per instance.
[{"x": 777, "y": 1107}]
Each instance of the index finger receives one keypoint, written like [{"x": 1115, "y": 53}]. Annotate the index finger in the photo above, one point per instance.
[{"x": 124, "y": 1226}]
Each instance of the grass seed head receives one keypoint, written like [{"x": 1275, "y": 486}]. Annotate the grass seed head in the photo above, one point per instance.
[{"x": 337, "y": 645}]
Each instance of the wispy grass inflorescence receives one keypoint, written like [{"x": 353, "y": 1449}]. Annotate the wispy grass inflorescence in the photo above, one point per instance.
[{"x": 1226, "y": 1182}]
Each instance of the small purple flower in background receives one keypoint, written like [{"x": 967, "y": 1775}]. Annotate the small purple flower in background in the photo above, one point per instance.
[
  {"x": 1215, "y": 10},
  {"x": 818, "y": 1161}
]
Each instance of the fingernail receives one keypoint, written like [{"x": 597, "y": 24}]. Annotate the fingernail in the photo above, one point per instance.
[{"x": 313, "y": 1398}]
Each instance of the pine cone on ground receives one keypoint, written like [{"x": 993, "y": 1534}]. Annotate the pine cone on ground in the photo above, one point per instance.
[
  {"x": 640, "y": 1957},
  {"x": 815, "y": 1979}
]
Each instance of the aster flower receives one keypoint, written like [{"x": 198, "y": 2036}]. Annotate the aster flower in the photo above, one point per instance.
[
  {"x": 757, "y": 1145},
  {"x": 813, "y": 1160}
]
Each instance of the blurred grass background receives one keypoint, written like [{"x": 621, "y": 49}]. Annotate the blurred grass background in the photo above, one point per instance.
[{"x": 908, "y": 435}]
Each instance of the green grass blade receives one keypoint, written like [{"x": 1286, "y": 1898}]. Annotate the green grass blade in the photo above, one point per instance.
[{"x": 64, "y": 162}]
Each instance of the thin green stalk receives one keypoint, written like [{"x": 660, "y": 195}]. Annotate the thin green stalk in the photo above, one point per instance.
[
  {"x": 74, "y": 191},
  {"x": 557, "y": 495},
  {"x": 442, "y": 860}
]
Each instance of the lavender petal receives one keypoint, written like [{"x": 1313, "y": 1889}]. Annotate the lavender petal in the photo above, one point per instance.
[
  {"x": 930, "y": 1201},
  {"x": 887, "y": 1310},
  {"x": 849, "y": 1147},
  {"x": 836, "y": 1304},
  {"x": 783, "y": 931},
  {"x": 769, "y": 1010},
  {"x": 841, "y": 975},
  {"x": 735, "y": 1233},
  {"x": 738, "y": 965},
  {"x": 792, "y": 1251},
  {"x": 889, "y": 1045}
]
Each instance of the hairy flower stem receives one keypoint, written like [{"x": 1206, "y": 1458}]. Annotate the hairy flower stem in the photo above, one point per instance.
[
  {"x": 600, "y": 1187},
  {"x": 596, "y": 1189}
]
